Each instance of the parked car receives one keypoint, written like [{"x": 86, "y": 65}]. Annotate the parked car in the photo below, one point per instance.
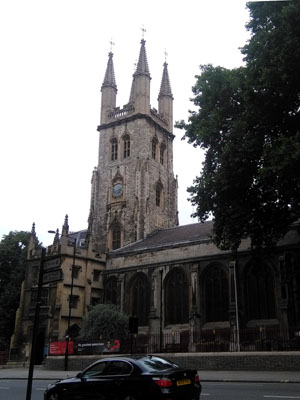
[{"x": 129, "y": 378}]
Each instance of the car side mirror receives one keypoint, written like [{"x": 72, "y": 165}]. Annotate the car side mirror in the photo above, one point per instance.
[{"x": 79, "y": 375}]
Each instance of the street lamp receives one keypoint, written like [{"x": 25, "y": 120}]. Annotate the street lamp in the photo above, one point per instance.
[{"x": 70, "y": 300}]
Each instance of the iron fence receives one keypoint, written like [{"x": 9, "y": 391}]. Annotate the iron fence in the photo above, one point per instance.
[{"x": 204, "y": 340}]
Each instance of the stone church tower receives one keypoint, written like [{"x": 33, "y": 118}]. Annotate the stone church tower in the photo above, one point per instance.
[{"x": 134, "y": 191}]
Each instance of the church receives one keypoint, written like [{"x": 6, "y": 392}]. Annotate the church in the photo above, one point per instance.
[{"x": 134, "y": 253}]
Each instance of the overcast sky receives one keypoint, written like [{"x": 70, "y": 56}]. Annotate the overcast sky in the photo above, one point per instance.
[{"x": 53, "y": 59}]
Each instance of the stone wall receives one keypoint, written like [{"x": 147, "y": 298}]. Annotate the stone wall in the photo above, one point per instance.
[{"x": 275, "y": 361}]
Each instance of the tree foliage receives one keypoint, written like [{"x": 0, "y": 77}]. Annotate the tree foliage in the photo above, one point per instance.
[
  {"x": 248, "y": 123},
  {"x": 105, "y": 321},
  {"x": 13, "y": 252}
]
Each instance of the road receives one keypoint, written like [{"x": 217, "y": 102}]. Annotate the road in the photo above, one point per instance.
[
  {"x": 249, "y": 391},
  {"x": 15, "y": 389}
]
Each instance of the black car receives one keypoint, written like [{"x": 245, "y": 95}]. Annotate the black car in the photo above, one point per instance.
[{"x": 129, "y": 378}]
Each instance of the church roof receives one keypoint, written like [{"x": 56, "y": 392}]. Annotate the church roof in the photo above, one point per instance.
[{"x": 170, "y": 237}]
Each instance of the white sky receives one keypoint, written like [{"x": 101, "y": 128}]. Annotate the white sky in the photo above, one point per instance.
[{"x": 53, "y": 60}]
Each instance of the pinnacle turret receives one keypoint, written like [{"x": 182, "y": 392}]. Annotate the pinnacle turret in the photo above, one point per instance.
[
  {"x": 109, "y": 90},
  {"x": 140, "y": 88},
  {"x": 109, "y": 78},
  {"x": 142, "y": 65},
  {"x": 65, "y": 227},
  {"x": 165, "y": 87},
  {"x": 165, "y": 98}
]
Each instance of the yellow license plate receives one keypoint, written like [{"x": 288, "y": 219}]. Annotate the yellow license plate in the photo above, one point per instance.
[{"x": 183, "y": 382}]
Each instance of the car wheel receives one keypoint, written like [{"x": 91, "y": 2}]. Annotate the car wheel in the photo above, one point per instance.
[{"x": 53, "y": 396}]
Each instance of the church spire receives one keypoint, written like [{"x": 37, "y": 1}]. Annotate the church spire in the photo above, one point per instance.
[
  {"x": 109, "y": 78},
  {"x": 109, "y": 89},
  {"x": 165, "y": 98},
  {"x": 142, "y": 65},
  {"x": 165, "y": 87},
  {"x": 140, "y": 89}
]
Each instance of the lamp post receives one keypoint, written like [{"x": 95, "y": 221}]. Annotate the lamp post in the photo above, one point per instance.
[
  {"x": 70, "y": 303},
  {"x": 233, "y": 266},
  {"x": 161, "y": 312}
]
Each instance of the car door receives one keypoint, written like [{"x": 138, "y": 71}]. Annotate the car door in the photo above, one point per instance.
[
  {"x": 106, "y": 380},
  {"x": 113, "y": 382},
  {"x": 90, "y": 385}
]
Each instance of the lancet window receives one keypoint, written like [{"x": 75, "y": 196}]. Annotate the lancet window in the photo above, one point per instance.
[{"x": 114, "y": 149}]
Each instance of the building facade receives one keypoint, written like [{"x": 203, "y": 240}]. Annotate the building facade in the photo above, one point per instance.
[{"x": 134, "y": 254}]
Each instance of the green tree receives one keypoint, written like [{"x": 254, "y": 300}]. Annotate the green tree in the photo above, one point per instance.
[
  {"x": 13, "y": 252},
  {"x": 105, "y": 321},
  {"x": 248, "y": 123}
]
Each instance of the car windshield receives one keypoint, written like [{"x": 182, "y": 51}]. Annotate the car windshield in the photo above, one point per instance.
[{"x": 152, "y": 364}]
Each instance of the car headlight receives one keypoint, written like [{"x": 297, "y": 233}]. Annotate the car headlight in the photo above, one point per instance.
[{"x": 50, "y": 386}]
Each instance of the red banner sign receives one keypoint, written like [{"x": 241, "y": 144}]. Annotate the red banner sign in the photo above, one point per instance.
[{"x": 59, "y": 348}]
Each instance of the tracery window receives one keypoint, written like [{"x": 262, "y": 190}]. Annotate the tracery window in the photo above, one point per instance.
[
  {"x": 162, "y": 153},
  {"x": 111, "y": 291},
  {"x": 159, "y": 194},
  {"x": 140, "y": 298},
  {"x": 114, "y": 149},
  {"x": 216, "y": 288},
  {"x": 154, "y": 146},
  {"x": 176, "y": 298},
  {"x": 116, "y": 236},
  {"x": 260, "y": 296},
  {"x": 126, "y": 142}
]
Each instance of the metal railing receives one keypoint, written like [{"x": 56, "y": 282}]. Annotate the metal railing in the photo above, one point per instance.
[{"x": 204, "y": 340}]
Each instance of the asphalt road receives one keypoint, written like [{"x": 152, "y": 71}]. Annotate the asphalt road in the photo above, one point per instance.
[
  {"x": 249, "y": 391},
  {"x": 15, "y": 389}
]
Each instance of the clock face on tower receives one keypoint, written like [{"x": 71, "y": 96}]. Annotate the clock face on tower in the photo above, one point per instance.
[{"x": 117, "y": 189}]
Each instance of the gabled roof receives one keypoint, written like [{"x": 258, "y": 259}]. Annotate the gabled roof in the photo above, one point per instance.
[{"x": 170, "y": 237}]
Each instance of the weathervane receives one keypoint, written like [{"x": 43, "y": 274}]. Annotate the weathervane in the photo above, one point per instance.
[
  {"x": 111, "y": 45},
  {"x": 166, "y": 54},
  {"x": 143, "y": 32}
]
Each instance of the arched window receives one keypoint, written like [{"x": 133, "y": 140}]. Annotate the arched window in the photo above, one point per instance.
[
  {"x": 140, "y": 298},
  {"x": 176, "y": 298},
  {"x": 154, "y": 146},
  {"x": 159, "y": 194},
  {"x": 260, "y": 296},
  {"x": 126, "y": 143},
  {"x": 116, "y": 236},
  {"x": 111, "y": 291},
  {"x": 216, "y": 294},
  {"x": 114, "y": 149},
  {"x": 162, "y": 153}
]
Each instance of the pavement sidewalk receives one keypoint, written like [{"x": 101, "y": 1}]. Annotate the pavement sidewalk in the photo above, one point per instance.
[{"x": 41, "y": 373}]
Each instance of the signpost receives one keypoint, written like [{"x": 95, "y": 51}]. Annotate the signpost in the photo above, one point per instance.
[
  {"x": 35, "y": 326},
  {"x": 52, "y": 263},
  {"x": 52, "y": 276}
]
